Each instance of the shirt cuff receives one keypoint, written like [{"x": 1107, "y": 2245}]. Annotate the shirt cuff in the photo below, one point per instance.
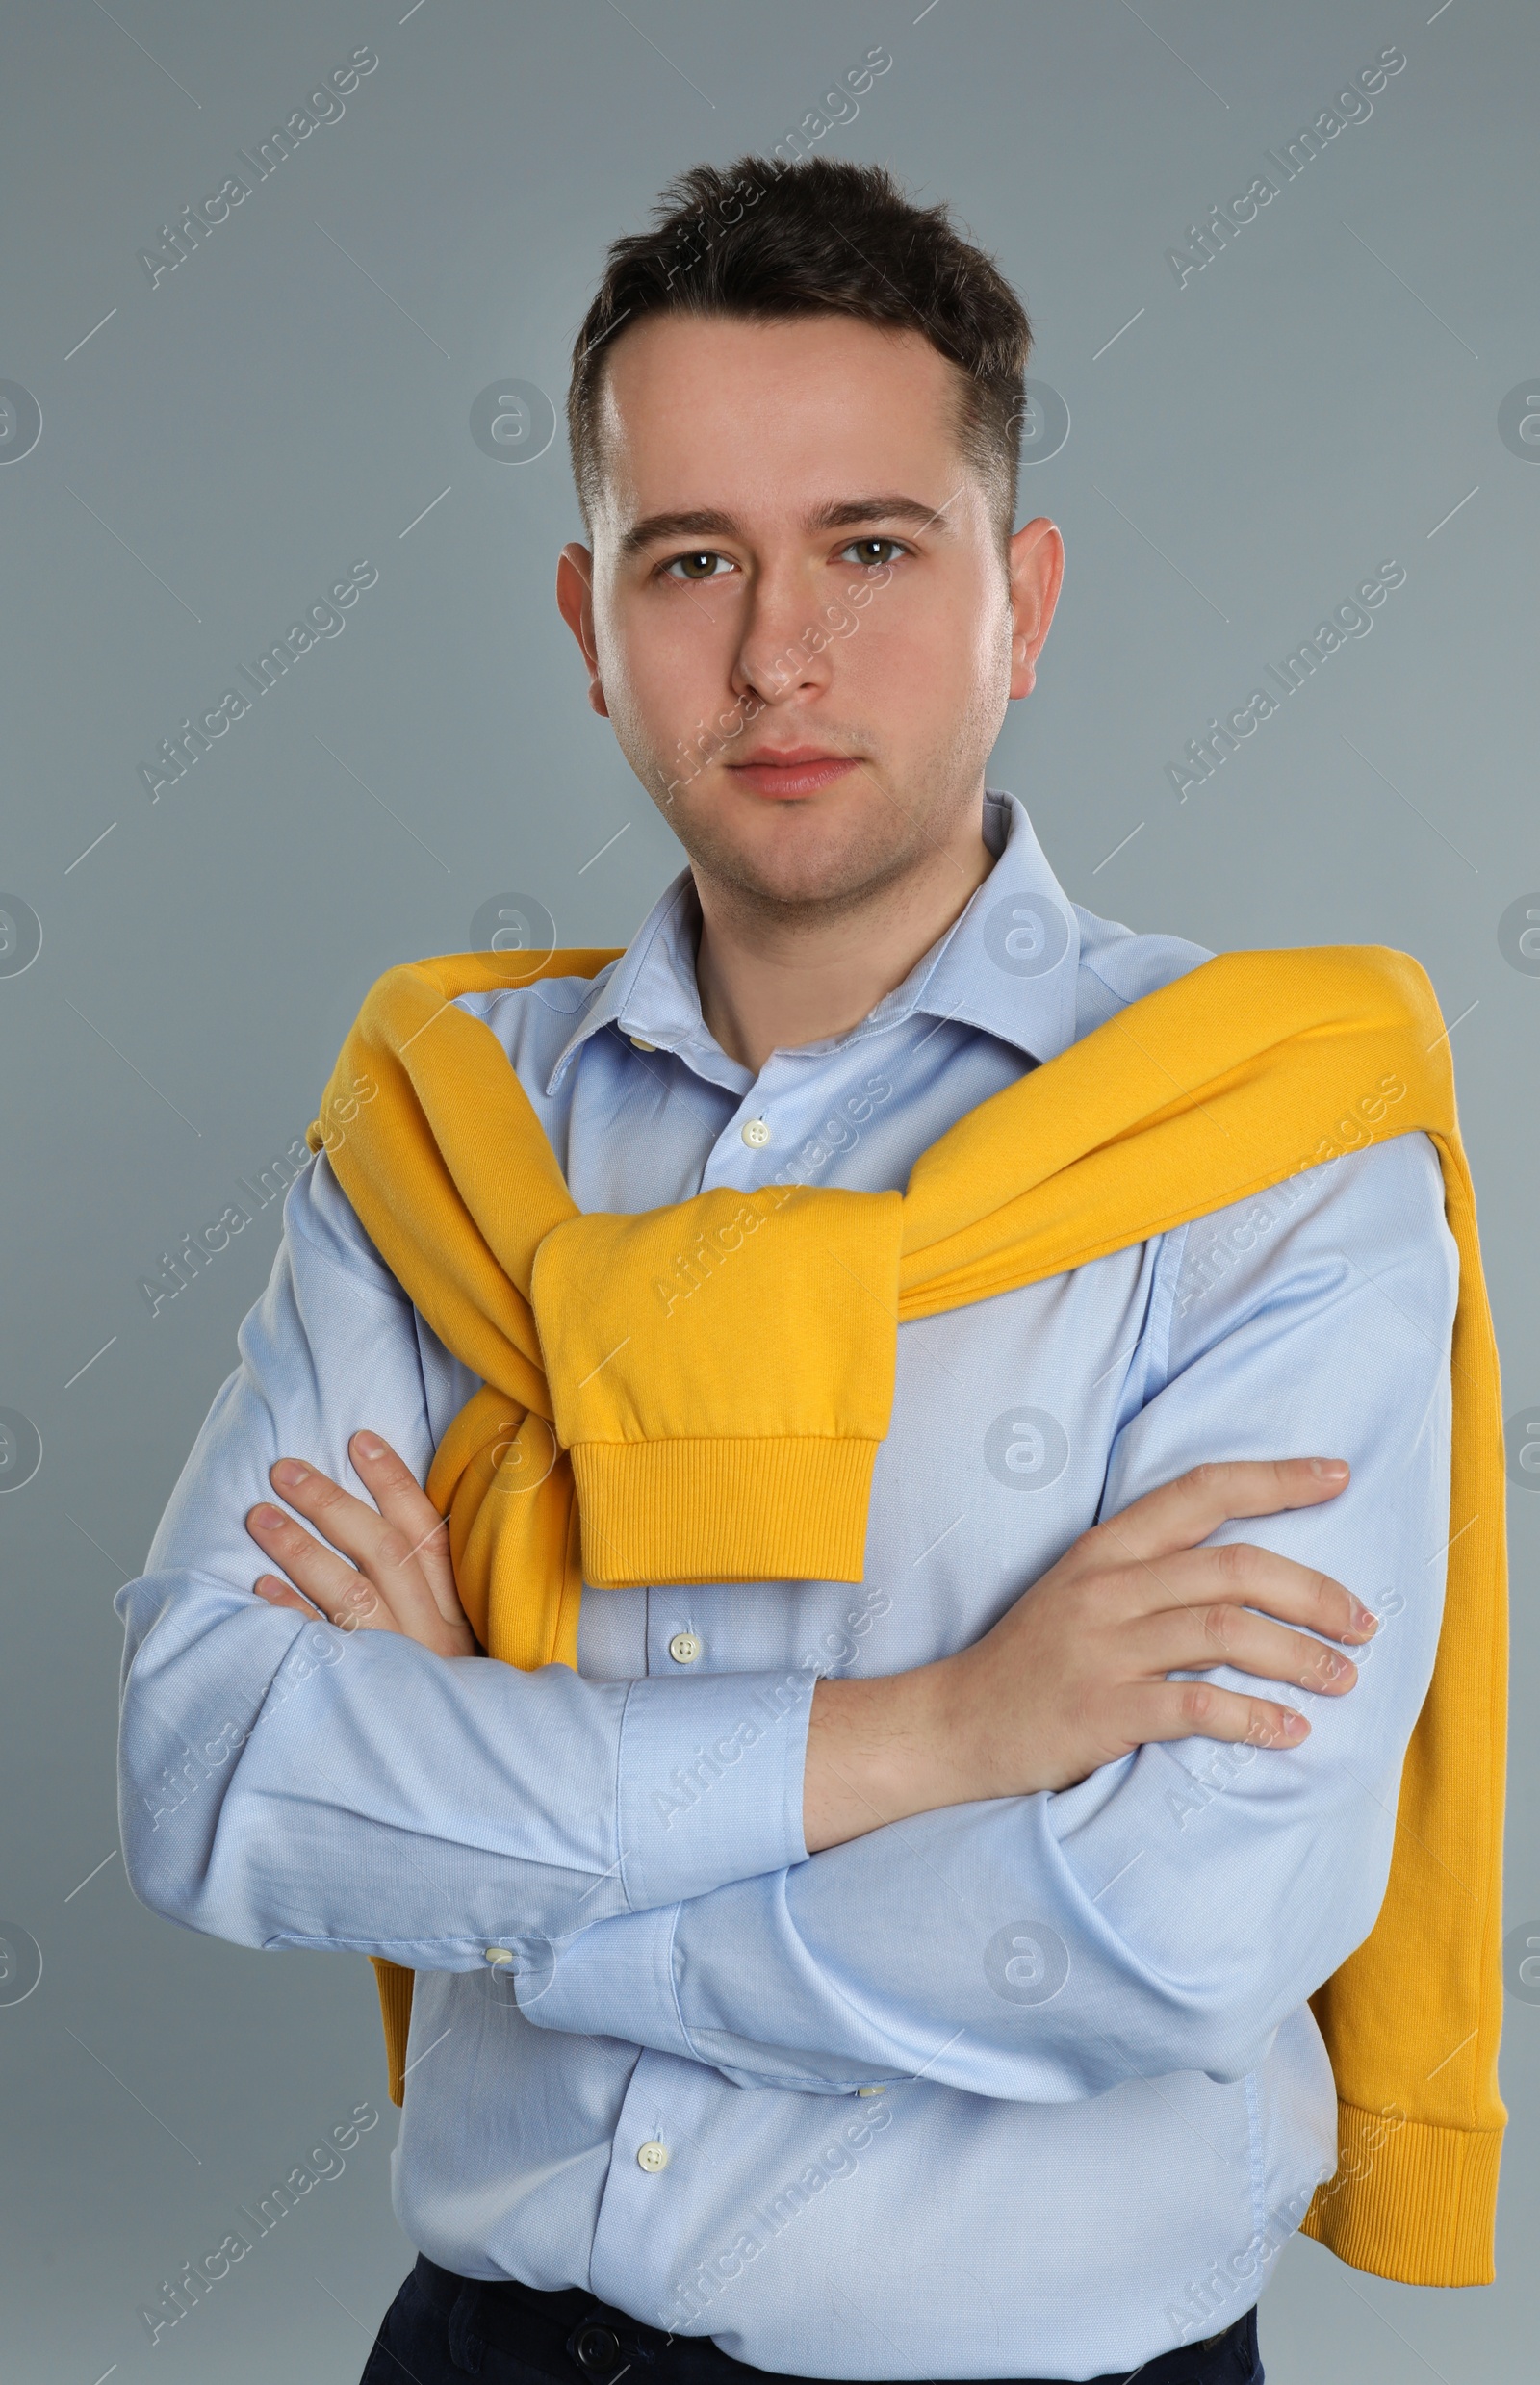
[
  {"x": 614, "y": 1979},
  {"x": 710, "y": 1782}
]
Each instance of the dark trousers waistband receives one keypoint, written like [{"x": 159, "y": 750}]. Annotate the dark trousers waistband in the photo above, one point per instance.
[{"x": 572, "y": 2334}]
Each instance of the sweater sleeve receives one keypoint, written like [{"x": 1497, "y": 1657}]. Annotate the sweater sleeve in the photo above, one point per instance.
[
  {"x": 1171, "y": 1912},
  {"x": 286, "y": 1782}
]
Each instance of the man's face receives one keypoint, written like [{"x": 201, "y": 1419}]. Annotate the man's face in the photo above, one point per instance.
[{"x": 796, "y": 613}]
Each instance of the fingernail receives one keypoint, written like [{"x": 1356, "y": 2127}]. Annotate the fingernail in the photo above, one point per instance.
[
  {"x": 1329, "y": 1469},
  {"x": 1364, "y": 1621},
  {"x": 1294, "y": 1726},
  {"x": 369, "y": 1444},
  {"x": 268, "y": 1517},
  {"x": 289, "y": 1474}
]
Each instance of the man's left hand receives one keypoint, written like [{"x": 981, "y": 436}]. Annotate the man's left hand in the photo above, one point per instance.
[{"x": 402, "y": 1577}]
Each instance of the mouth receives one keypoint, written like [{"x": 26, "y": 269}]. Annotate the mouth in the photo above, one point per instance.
[{"x": 790, "y": 770}]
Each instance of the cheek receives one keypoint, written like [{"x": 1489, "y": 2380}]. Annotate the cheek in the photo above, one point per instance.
[
  {"x": 930, "y": 652},
  {"x": 637, "y": 696},
  {"x": 666, "y": 667}
]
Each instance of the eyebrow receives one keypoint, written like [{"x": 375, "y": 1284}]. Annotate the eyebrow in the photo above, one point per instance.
[{"x": 843, "y": 513}]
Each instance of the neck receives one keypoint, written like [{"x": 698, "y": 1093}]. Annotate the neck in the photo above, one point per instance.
[{"x": 772, "y": 976}]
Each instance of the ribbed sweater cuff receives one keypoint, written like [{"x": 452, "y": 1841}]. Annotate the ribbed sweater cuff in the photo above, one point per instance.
[
  {"x": 394, "y": 1985},
  {"x": 1410, "y": 2201},
  {"x": 786, "y": 1509}
]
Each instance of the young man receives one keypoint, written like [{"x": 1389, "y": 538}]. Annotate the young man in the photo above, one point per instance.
[{"x": 901, "y": 1973}]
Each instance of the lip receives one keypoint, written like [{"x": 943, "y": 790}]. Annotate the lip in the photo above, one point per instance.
[{"x": 792, "y": 769}]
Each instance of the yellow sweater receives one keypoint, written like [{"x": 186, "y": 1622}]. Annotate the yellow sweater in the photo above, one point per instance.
[{"x": 617, "y": 1437}]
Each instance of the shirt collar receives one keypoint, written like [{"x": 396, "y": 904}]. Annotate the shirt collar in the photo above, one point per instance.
[{"x": 1008, "y": 963}]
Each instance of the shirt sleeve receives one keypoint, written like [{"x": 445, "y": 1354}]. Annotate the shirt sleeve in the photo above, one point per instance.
[
  {"x": 282, "y": 1782},
  {"x": 1172, "y": 1909}
]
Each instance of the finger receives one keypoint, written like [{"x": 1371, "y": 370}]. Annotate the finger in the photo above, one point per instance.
[
  {"x": 404, "y": 1503},
  {"x": 342, "y": 1595},
  {"x": 1239, "y": 1574},
  {"x": 1193, "y": 1638},
  {"x": 389, "y": 1588},
  {"x": 380, "y": 1550},
  {"x": 354, "y": 1526},
  {"x": 1179, "y": 1513},
  {"x": 279, "y": 1594},
  {"x": 1169, "y": 1710}
]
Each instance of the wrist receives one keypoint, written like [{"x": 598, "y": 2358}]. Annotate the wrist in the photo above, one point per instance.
[{"x": 878, "y": 1751}]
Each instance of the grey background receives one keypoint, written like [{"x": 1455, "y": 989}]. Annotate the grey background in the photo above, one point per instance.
[{"x": 216, "y": 451}]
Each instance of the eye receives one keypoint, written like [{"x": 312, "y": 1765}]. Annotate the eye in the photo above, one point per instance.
[
  {"x": 684, "y": 566},
  {"x": 863, "y": 547}
]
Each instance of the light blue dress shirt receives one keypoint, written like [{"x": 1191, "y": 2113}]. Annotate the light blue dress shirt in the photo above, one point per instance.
[{"x": 1104, "y": 2101}]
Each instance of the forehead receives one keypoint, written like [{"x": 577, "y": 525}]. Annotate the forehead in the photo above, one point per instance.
[{"x": 695, "y": 406}]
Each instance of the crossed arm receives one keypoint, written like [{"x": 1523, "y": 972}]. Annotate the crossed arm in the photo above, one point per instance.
[
  {"x": 946, "y": 1891},
  {"x": 1074, "y": 1677}
]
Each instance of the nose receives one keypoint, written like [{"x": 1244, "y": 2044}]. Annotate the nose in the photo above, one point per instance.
[{"x": 789, "y": 633}]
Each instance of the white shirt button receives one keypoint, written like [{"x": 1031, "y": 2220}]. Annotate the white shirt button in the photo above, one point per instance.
[
  {"x": 498, "y": 1954},
  {"x": 685, "y": 1647},
  {"x": 642, "y": 1045},
  {"x": 652, "y": 2157},
  {"x": 755, "y": 1134}
]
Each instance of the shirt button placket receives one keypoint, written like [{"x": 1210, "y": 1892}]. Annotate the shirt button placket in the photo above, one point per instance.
[{"x": 632, "y": 2263}]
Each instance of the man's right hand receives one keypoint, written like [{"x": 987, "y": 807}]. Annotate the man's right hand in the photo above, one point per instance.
[{"x": 1074, "y": 1676}]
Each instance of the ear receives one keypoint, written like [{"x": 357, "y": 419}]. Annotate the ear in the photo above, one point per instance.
[
  {"x": 574, "y": 601},
  {"x": 1036, "y": 576}
]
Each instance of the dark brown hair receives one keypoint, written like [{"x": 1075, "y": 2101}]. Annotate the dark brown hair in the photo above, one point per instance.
[{"x": 770, "y": 241}]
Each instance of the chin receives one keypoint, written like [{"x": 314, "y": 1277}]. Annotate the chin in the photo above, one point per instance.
[{"x": 813, "y": 868}]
